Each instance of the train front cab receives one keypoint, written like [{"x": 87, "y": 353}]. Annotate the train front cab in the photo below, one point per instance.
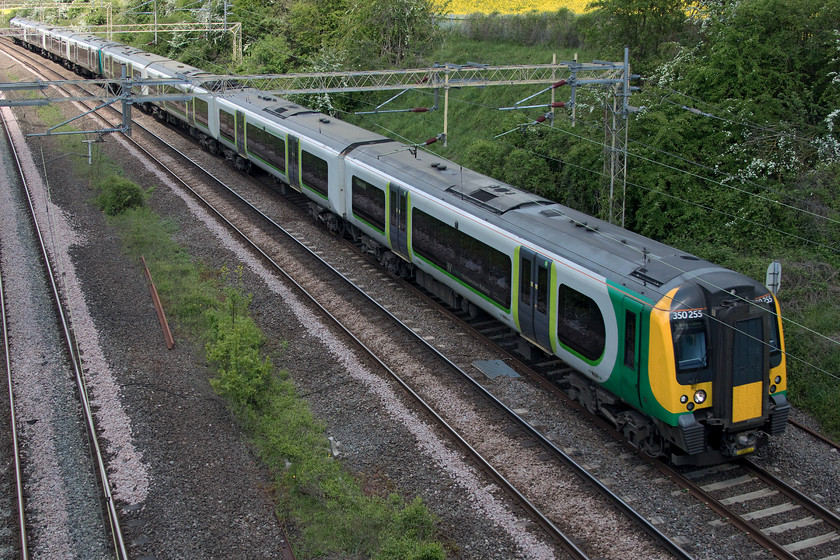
[{"x": 716, "y": 371}]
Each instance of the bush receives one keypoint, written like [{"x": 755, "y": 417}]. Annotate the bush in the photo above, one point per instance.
[{"x": 118, "y": 194}]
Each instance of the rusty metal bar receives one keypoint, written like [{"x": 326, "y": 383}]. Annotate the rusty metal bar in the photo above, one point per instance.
[{"x": 167, "y": 334}]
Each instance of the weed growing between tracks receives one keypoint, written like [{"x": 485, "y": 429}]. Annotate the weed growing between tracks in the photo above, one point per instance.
[{"x": 324, "y": 501}]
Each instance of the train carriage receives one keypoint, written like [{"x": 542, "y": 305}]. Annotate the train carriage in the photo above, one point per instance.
[{"x": 685, "y": 357}]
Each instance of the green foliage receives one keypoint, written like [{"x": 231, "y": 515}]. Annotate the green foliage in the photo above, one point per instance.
[
  {"x": 389, "y": 32},
  {"x": 641, "y": 25},
  {"x": 234, "y": 349},
  {"x": 118, "y": 194},
  {"x": 558, "y": 29},
  {"x": 267, "y": 55}
]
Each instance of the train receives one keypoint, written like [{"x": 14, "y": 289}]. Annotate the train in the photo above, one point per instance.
[{"x": 686, "y": 358}]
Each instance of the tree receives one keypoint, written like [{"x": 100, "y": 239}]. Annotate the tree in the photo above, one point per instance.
[
  {"x": 389, "y": 32},
  {"x": 642, "y": 25}
]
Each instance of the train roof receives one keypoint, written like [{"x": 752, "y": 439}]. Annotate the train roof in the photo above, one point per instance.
[
  {"x": 336, "y": 134},
  {"x": 626, "y": 258},
  {"x": 136, "y": 56},
  {"x": 173, "y": 68}
]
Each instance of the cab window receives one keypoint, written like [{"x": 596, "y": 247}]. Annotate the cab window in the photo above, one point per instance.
[{"x": 691, "y": 352}]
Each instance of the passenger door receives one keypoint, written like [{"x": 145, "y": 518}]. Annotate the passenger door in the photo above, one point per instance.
[
  {"x": 535, "y": 297},
  {"x": 398, "y": 228}
]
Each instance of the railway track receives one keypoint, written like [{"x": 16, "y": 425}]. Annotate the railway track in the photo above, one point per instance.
[
  {"x": 14, "y": 516},
  {"x": 50, "y": 413},
  {"x": 779, "y": 517}
]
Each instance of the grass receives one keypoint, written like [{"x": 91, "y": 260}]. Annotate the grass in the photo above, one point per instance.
[{"x": 474, "y": 113}]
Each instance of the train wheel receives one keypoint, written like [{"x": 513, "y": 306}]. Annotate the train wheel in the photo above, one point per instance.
[{"x": 652, "y": 446}]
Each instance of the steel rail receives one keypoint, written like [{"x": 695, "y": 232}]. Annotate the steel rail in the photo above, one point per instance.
[
  {"x": 15, "y": 444},
  {"x": 814, "y": 434},
  {"x": 75, "y": 359}
]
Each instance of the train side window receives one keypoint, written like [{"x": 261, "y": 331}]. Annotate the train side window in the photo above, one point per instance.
[
  {"x": 267, "y": 147},
  {"x": 137, "y": 75},
  {"x": 315, "y": 172},
  {"x": 630, "y": 339},
  {"x": 542, "y": 289},
  {"x": 775, "y": 338},
  {"x": 201, "y": 112},
  {"x": 473, "y": 262},
  {"x": 369, "y": 204},
  {"x": 227, "y": 126},
  {"x": 525, "y": 284},
  {"x": 580, "y": 324},
  {"x": 179, "y": 106}
]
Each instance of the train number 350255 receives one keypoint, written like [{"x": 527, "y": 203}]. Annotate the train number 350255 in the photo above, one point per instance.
[{"x": 687, "y": 314}]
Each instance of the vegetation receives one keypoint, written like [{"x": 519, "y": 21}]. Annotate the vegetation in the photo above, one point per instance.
[{"x": 464, "y": 7}]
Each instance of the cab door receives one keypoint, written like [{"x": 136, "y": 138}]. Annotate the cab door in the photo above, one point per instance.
[
  {"x": 398, "y": 226},
  {"x": 535, "y": 297},
  {"x": 631, "y": 351}
]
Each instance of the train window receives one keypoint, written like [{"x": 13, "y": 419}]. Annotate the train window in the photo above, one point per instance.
[
  {"x": 630, "y": 339},
  {"x": 369, "y": 204},
  {"x": 775, "y": 338},
  {"x": 227, "y": 126},
  {"x": 315, "y": 172},
  {"x": 476, "y": 264},
  {"x": 580, "y": 324},
  {"x": 542, "y": 289},
  {"x": 525, "y": 285},
  {"x": 267, "y": 147},
  {"x": 136, "y": 76},
  {"x": 179, "y": 106},
  {"x": 690, "y": 346},
  {"x": 201, "y": 112}
]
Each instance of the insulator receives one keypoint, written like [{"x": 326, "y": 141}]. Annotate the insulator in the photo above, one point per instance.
[
  {"x": 419, "y": 109},
  {"x": 430, "y": 141},
  {"x": 558, "y": 84},
  {"x": 558, "y": 104},
  {"x": 541, "y": 119}
]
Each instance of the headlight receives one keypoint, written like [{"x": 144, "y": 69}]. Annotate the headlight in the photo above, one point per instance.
[
  {"x": 684, "y": 399},
  {"x": 778, "y": 379},
  {"x": 700, "y": 396}
]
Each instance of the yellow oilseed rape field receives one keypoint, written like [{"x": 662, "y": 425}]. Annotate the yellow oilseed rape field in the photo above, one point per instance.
[{"x": 461, "y": 7}]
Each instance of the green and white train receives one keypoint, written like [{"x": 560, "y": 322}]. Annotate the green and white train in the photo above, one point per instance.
[{"x": 685, "y": 357}]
